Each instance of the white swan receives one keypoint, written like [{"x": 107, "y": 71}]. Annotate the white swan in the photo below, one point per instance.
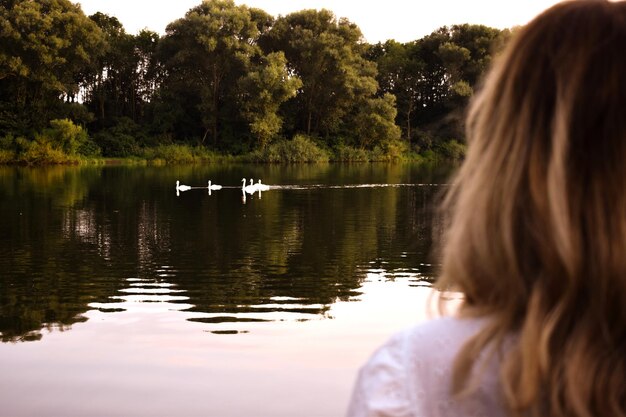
[
  {"x": 250, "y": 189},
  {"x": 214, "y": 186},
  {"x": 262, "y": 187},
  {"x": 180, "y": 187}
]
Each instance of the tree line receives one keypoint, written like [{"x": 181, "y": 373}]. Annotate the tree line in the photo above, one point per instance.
[{"x": 231, "y": 79}]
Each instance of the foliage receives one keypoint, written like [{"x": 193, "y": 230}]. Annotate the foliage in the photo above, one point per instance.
[
  {"x": 374, "y": 123},
  {"x": 452, "y": 149},
  {"x": 300, "y": 149},
  {"x": 180, "y": 154},
  {"x": 231, "y": 79},
  {"x": 263, "y": 91},
  {"x": 343, "y": 153},
  {"x": 433, "y": 77},
  {"x": 122, "y": 81},
  {"x": 116, "y": 143},
  {"x": 43, "y": 151},
  {"x": 63, "y": 142},
  {"x": 45, "y": 46},
  {"x": 204, "y": 54},
  {"x": 7, "y": 149},
  {"x": 121, "y": 140},
  {"x": 6, "y": 156},
  {"x": 66, "y": 136},
  {"x": 327, "y": 55}
]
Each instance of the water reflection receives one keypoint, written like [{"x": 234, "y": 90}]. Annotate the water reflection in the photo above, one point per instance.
[{"x": 73, "y": 240}]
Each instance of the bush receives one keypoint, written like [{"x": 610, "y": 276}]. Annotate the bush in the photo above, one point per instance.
[
  {"x": 89, "y": 148},
  {"x": 350, "y": 154},
  {"x": 179, "y": 154},
  {"x": 394, "y": 150},
  {"x": 116, "y": 144},
  {"x": 121, "y": 140},
  {"x": 452, "y": 149},
  {"x": 63, "y": 135},
  {"x": 6, "y": 156},
  {"x": 58, "y": 144},
  {"x": 42, "y": 151},
  {"x": 429, "y": 156},
  {"x": 7, "y": 143},
  {"x": 422, "y": 140},
  {"x": 300, "y": 149}
]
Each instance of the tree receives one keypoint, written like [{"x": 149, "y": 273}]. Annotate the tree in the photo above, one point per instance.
[
  {"x": 264, "y": 89},
  {"x": 45, "y": 46},
  {"x": 327, "y": 55},
  {"x": 124, "y": 78},
  {"x": 481, "y": 43},
  {"x": 204, "y": 54},
  {"x": 401, "y": 73},
  {"x": 433, "y": 77},
  {"x": 374, "y": 122}
]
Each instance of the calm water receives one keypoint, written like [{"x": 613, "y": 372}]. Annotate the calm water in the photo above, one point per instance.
[{"x": 118, "y": 297}]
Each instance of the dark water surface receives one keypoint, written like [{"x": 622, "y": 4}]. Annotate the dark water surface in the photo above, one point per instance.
[{"x": 118, "y": 297}]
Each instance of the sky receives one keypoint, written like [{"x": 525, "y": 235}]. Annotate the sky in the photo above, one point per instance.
[{"x": 402, "y": 20}]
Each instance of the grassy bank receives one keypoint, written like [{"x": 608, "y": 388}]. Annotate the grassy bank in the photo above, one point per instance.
[{"x": 66, "y": 143}]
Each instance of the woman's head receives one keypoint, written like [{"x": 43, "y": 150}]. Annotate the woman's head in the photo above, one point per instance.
[{"x": 537, "y": 234}]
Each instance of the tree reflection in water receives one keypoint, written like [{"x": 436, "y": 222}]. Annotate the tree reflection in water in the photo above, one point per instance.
[{"x": 74, "y": 240}]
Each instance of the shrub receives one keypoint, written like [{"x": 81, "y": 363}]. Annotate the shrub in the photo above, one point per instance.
[
  {"x": 121, "y": 140},
  {"x": 45, "y": 149},
  {"x": 6, "y": 156},
  {"x": 394, "y": 150},
  {"x": 452, "y": 149},
  {"x": 430, "y": 156},
  {"x": 179, "y": 154},
  {"x": 300, "y": 149},
  {"x": 55, "y": 145},
  {"x": 42, "y": 151},
  {"x": 7, "y": 143},
  {"x": 116, "y": 144},
  {"x": 89, "y": 148},
  {"x": 65, "y": 136},
  {"x": 350, "y": 154}
]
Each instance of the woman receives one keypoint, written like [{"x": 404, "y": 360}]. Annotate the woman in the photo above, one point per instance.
[{"x": 536, "y": 240}]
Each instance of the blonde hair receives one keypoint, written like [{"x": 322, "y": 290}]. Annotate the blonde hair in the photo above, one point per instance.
[{"x": 536, "y": 239}]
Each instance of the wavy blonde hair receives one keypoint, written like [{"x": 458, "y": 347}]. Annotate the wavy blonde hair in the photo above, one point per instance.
[{"x": 536, "y": 239}]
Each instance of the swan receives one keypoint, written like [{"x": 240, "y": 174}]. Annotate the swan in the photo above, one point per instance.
[
  {"x": 214, "y": 186},
  {"x": 247, "y": 188},
  {"x": 180, "y": 187},
  {"x": 262, "y": 187}
]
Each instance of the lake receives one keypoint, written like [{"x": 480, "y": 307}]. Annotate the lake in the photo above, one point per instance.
[{"x": 120, "y": 297}]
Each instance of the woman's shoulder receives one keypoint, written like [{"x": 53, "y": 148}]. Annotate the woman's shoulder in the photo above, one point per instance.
[
  {"x": 429, "y": 347},
  {"x": 438, "y": 337},
  {"x": 433, "y": 340},
  {"x": 410, "y": 374},
  {"x": 445, "y": 327}
]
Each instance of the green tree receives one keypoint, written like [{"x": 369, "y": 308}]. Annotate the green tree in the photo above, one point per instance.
[
  {"x": 45, "y": 47},
  {"x": 327, "y": 55},
  {"x": 264, "y": 89},
  {"x": 481, "y": 42},
  {"x": 374, "y": 122},
  {"x": 401, "y": 73},
  {"x": 433, "y": 78},
  {"x": 125, "y": 77},
  {"x": 204, "y": 54}
]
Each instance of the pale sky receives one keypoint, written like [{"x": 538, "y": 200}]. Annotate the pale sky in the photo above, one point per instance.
[{"x": 402, "y": 20}]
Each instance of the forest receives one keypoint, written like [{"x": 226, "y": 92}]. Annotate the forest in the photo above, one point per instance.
[{"x": 229, "y": 81}]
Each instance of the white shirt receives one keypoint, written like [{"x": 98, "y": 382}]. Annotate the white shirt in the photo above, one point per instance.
[{"x": 411, "y": 376}]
